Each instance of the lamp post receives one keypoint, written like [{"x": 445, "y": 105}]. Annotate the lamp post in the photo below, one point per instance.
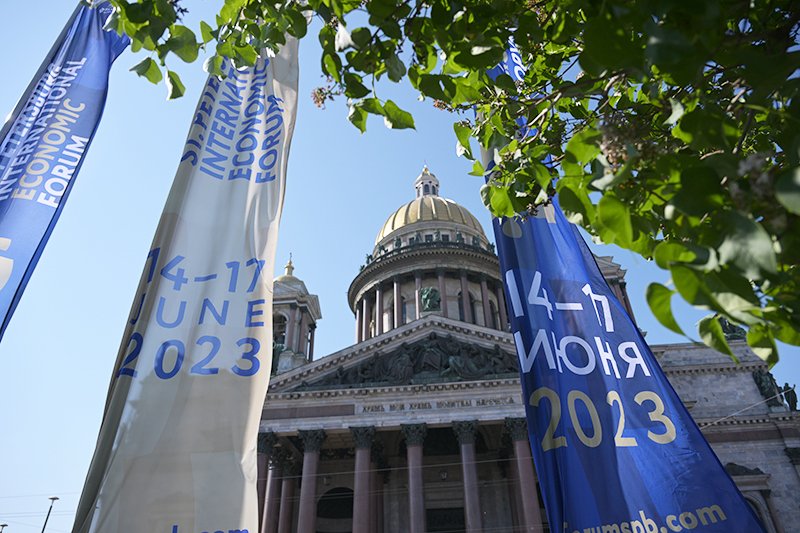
[
  {"x": 2, "y": 527},
  {"x": 46, "y": 518}
]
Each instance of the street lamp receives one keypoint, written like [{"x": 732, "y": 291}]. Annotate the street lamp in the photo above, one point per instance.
[
  {"x": 2, "y": 527},
  {"x": 46, "y": 518}
]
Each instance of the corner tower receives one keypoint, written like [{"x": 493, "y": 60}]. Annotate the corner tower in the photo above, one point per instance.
[{"x": 294, "y": 319}]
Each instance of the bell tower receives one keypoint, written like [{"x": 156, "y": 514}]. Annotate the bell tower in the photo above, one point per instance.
[{"x": 295, "y": 313}]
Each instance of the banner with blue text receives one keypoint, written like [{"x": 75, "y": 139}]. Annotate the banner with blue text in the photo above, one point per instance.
[
  {"x": 177, "y": 447},
  {"x": 614, "y": 447},
  {"x": 44, "y": 141}
]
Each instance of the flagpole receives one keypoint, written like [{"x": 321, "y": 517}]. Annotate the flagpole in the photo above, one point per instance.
[{"x": 12, "y": 117}]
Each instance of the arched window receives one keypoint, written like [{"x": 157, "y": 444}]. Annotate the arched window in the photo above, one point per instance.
[
  {"x": 278, "y": 328},
  {"x": 427, "y": 188}
]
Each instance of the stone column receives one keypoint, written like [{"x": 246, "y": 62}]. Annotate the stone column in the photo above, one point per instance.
[
  {"x": 417, "y": 295},
  {"x": 487, "y": 309},
  {"x": 442, "y": 293},
  {"x": 297, "y": 343},
  {"x": 515, "y": 496},
  {"x": 266, "y": 441},
  {"x": 366, "y": 313},
  {"x": 290, "y": 328},
  {"x": 359, "y": 326},
  {"x": 378, "y": 310},
  {"x": 415, "y": 436},
  {"x": 269, "y": 520},
  {"x": 532, "y": 517},
  {"x": 398, "y": 308},
  {"x": 501, "y": 307},
  {"x": 465, "y": 431},
  {"x": 312, "y": 328},
  {"x": 376, "y": 488},
  {"x": 302, "y": 333},
  {"x": 361, "y": 498},
  {"x": 312, "y": 443},
  {"x": 288, "y": 485},
  {"x": 465, "y": 297}
]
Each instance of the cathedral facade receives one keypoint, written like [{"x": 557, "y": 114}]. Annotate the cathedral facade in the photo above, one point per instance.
[{"x": 420, "y": 426}]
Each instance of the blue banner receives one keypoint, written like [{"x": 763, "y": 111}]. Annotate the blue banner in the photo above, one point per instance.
[
  {"x": 43, "y": 144},
  {"x": 615, "y": 449}
]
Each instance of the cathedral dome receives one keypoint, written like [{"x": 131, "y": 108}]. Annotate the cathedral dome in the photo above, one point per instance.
[
  {"x": 429, "y": 208},
  {"x": 429, "y": 217}
]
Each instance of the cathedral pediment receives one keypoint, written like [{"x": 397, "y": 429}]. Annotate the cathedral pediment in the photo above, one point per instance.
[{"x": 431, "y": 350}]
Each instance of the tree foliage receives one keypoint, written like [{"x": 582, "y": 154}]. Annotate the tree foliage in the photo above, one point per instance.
[{"x": 669, "y": 128}]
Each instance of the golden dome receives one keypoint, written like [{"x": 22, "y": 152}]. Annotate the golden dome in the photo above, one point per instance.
[{"x": 429, "y": 208}]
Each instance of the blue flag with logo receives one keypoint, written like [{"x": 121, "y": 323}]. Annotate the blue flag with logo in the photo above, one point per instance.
[
  {"x": 614, "y": 446},
  {"x": 43, "y": 143}
]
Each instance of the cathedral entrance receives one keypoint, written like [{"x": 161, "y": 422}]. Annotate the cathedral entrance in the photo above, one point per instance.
[{"x": 335, "y": 511}]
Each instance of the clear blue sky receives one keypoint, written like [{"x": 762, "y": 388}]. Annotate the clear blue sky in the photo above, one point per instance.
[{"x": 58, "y": 352}]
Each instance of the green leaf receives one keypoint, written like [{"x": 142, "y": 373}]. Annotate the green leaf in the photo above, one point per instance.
[
  {"x": 583, "y": 145},
  {"x": 206, "y": 33},
  {"x": 331, "y": 63},
  {"x": 711, "y": 332},
  {"x": 463, "y": 135},
  {"x": 668, "y": 252},
  {"x": 787, "y": 190},
  {"x": 358, "y": 117},
  {"x": 372, "y": 105},
  {"x": 175, "y": 88},
  {"x": 746, "y": 245},
  {"x": 298, "y": 25},
  {"x": 477, "y": 169},
  {"x": 395, "y": 67},
  {"x": 247, "y": 54},
  {"x": 182, "y": 43},
  {"x": 700, "y": 192},
  {"x": 691, "y": 287},
  {"x": 148, "y": 69},
  {"x": 610, "y": 44},
  {"x": 396, "y": 118},
  {"x": 498, "y": 200},
  {"x": 615, "y": 217},
  {"x": 353, "y": 88},
  {"x": 707, "y": 129},
  {"x": 659, "y": 298},
  {"x": 213, "y": 65},
  {"x": 761, "y": 341}
]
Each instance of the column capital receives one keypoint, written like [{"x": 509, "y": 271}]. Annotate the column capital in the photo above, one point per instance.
[
  {"x": 517, "y": 428},
  {"x": 417, "y": 275},
  {"x": 440, "y": 271},
  {"x": 266, "y": 442},
  {"x": 312, "y": 439},
  {"x": 278, "y": 457},
  {"x": 414, "y": 433},
  {"x": 363, "y": 436},
  {"x": 465, "y": 431}
]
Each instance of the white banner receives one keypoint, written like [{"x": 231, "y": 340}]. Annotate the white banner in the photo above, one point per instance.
[{"x": 177, "y": 447}]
